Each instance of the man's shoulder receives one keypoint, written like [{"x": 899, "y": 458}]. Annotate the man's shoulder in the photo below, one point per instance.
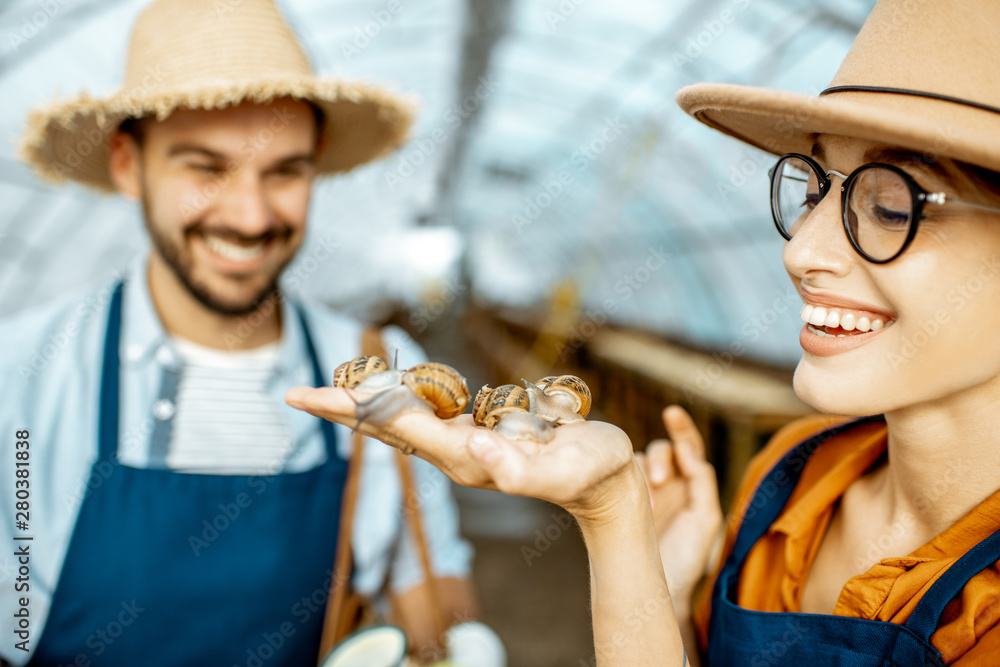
[
  {"x": 36, "y": 337},
  {"x": 339, "y": 335},
  {"x": 326, "y": 319}
]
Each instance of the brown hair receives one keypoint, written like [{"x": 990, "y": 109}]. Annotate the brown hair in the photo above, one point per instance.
[{"x": 983, "y": 179}]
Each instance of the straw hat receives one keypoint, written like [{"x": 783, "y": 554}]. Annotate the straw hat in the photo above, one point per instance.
[
  {"x": 204, "y": 54},
  {"x": 922, "y": 74}
]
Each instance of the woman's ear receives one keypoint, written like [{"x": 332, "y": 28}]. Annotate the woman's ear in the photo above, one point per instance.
[{"x": 125, "y": 166}]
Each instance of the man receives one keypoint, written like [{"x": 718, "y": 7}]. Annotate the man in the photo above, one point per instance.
[{"x": 168, "y": 508}]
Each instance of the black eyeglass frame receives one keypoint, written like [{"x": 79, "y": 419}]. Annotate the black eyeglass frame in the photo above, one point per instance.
[{"x": 918, "y": 197}]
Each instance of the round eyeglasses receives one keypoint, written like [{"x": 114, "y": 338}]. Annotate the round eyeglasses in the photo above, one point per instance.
[{"x": 881, "y": 204}]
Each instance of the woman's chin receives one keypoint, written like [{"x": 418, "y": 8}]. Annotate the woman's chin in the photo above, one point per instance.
[{"x": 834, "y": 395}]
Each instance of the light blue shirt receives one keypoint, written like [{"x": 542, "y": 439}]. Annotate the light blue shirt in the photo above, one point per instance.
[{"x": 50, "y": 363}]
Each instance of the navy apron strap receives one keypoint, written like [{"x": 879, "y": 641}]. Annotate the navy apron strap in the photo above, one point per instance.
[
  {"x": 924, "y": 619},
  {"x": 325, "y": 426},
  {"x": 783, "y": 479},
  {"x": 107, "y": 421}
]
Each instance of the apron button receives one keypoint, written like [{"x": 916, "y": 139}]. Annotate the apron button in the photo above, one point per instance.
[{"x": 164, "y": 409}]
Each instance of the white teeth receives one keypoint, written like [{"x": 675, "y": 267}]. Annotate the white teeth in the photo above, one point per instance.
[
  {"x": 232, "y": 251},
  {"x": 819, "y": 332},
  {"x": 818, "y": 316}
]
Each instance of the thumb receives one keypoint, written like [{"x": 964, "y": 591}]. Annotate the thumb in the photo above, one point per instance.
[{"x": 504, "y": 462}]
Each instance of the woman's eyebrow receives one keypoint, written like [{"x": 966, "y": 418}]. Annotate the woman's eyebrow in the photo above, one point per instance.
[
  {"x": 817, "y": 152},
  {"x": 907, "y": 158}
]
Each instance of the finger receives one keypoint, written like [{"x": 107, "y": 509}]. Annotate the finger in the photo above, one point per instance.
[
  {"x": 704, "y": 488},
  {"x": 440, "y": 443},
  {"x": 680, "y": 427},
  {"x": 562, "y": 471},
  {"x": 659, "y": 461}
]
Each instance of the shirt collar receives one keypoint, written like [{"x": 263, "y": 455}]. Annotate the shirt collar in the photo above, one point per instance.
[
  {"x": 142, "y": 332},
  {"x": 145, "y": 339},
  {"x": 292, "y": 354}
]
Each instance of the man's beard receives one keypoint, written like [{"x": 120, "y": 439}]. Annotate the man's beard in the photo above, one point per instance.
[{"x": 201, "y": 292}]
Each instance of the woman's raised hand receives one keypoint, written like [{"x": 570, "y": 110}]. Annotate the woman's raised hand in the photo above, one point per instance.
[
  {"x": 685, "y": 498},
  {"x": 578, "y": 469}
]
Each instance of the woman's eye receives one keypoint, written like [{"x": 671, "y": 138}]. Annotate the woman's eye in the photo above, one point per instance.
[
  {"x": 811, "y": 201},
  {"x": 890, "y": 219}
]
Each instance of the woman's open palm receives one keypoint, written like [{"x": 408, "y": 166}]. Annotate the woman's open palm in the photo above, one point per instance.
[{"x": 568, "y": 471}]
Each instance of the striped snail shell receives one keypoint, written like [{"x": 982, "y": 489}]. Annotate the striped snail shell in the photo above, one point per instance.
[
  {"x": 505, "y": 411},
  {"x": 352, "y": 373},
  {"x": 479, "y": 405},
  {"x": 560, "y": 398},
  {"x": 441, "y": 386},
  {"x": 498, "y": 402}
]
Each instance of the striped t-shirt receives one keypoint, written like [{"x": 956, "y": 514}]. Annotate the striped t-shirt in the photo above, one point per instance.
[{"x": 226, "y": 423}]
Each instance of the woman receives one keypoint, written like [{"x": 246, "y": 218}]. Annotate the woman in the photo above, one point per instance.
[{"x": 865, "y": 541}]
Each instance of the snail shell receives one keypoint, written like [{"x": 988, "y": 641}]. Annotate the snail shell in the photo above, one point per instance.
[
  {"x": 352, "y": 373},
  {"x": 479, "y": 405},
  {"x": 499, "y": 402},
  {"x": 505, "y": 411},
  {"x": 428, "y": 387},
  {"x": 560, "y": 398},
  {"x": 441, "y": 386}
]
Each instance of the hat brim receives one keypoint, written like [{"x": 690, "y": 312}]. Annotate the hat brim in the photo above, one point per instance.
[
  {"x": 782, "y": 122},
  {"x": 69, "y": 139}
]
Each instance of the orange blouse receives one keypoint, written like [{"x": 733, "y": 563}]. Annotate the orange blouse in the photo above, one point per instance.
[{"x": 776, "y": 568}]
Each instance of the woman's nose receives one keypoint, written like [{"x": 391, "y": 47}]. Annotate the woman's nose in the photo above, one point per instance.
[{"x": 820, "y": 244}]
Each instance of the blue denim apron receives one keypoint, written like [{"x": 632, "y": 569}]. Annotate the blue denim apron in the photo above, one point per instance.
[
  {"x": 171, "y": 569},
  {"x": 739, "y": 636}
]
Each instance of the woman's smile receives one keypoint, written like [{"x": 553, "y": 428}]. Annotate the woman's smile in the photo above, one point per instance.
[{"x": 836, "y": 324}]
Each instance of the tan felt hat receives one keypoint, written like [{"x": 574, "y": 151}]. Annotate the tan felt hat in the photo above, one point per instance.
[
  {"x": 922, "y": 74},
  {"x": 209, "y": 54}
]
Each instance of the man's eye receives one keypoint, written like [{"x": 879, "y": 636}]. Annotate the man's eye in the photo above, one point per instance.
[
  {"x": 288, "y": 172},
  {"x": 206, "y": 168}
]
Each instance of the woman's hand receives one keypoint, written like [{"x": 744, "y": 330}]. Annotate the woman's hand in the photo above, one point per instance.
[
  {"x": 685, "y": 498},
  {"x": 588, "y": 468},
  {"x": 582, "y": 469}
]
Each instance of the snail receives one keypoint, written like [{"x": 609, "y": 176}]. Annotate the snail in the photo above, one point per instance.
[
  {"x": 352, "y": 373},
  {"x": 559, "y": 398},
  {"x": 532, "y": 412},
  {"x": 507, "y": 411},
  {"x": 426, "y": 387}
]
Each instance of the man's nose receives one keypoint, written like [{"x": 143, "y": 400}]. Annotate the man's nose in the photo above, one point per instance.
[
  {"x": 820, "y": 244},
  {"x": 243, "y": 204}
]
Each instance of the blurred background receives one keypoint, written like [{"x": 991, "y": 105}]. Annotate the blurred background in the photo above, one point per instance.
[{"x": 554, "y": 211}]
